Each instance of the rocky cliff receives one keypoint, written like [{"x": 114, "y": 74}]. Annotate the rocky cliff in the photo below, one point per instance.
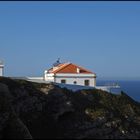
[{"x": 31, "y": 110}]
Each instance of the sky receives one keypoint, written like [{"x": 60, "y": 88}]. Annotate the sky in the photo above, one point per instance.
[{"x": 103, "y": 37}]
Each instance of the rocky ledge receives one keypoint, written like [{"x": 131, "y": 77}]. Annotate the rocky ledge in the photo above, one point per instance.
[{"x": 30, "y": 110}]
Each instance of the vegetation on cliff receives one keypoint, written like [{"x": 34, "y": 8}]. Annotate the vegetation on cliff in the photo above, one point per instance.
[{"x": 32, "y": 110}]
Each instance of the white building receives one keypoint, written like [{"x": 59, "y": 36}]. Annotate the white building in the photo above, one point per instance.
[
  {"x": 69, "y": 73},
  {"x": 1, "y": 68}
]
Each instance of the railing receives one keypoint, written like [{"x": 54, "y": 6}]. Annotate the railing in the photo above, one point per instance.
[
  {"x": 111, "y": 84},
  {"x": 109, "y": 87}
]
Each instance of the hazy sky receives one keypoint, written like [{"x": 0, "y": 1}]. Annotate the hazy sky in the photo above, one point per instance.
[{"x": 102, "y": 36}]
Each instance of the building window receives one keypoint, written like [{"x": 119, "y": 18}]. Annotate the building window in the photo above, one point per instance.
[
  {"x": 86, "y": 82},
  {"x": 63, "y": 81},
  {"x": 75, "y": 82}
]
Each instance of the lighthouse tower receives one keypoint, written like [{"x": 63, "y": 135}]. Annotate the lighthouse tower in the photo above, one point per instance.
[{"x": 1, "y": 68}]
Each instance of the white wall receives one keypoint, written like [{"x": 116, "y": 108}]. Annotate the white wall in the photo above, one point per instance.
[
  {"x": 49, "y": 77},
  {"x": 80, "y": 81},
  {"x": 35, "y": 78},
  {"x": 1, "y": 71},
  {"x": 70, "y": 78}
]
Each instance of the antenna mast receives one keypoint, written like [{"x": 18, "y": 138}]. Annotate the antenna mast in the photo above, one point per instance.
[{"x": 57, "y": 63}]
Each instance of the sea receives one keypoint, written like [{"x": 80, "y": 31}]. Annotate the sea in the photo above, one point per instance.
[{"x": 130, "y": 87}]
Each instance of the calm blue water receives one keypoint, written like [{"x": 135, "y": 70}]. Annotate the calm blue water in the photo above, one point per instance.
[{"x": 131, "y": 88}]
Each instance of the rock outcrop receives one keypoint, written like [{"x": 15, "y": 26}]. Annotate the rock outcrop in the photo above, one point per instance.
[
  {"x": 33, "y": 110},
  {"x": 10, "y": 125}
]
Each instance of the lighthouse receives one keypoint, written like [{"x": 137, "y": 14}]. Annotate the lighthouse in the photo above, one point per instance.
[{"x": 1, "y": 68}]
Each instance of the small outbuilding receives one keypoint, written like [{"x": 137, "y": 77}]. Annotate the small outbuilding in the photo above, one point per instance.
[{"x": 1, "y": 68}]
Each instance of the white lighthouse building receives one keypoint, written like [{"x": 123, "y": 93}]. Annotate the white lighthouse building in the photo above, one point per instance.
[{"x": 1, "y": 68}]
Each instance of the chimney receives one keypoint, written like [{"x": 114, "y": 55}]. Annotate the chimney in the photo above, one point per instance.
[{"x": 78, "y": 70}]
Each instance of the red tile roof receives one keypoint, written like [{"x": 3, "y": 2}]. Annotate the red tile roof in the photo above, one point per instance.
[{"x": 69, "y": 68}]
